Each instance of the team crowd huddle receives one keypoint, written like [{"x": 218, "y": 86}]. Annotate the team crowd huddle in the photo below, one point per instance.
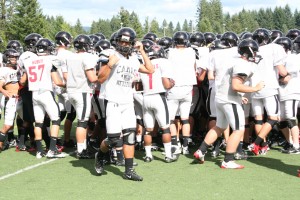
[{"x": 237, "y": 92}]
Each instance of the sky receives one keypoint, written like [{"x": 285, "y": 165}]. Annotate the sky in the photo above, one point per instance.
[{"x": 171, "y": 10}]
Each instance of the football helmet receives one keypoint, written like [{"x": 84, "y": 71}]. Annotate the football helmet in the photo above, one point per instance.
[
  {"x": 44, "y": 47},
  {"x": 197, "y": 39},
  {"x": 296, "y": 45},
  {"x": 276, "y": 34},
  {"x": 147, "y": 43},
  {"x": 128, "y": 35},
  {"x": 218, "y": 36},
  {"x": 100, "y": 36},
  {"x": 261, "y": 36},
  {"x": 217, "y": 44},
  {"x": 180, "y": 38},
  {"x": 30, "y": 41},
  {"x": 156, "y": 51},
  {"x": 285, "y": 42},
  {"x": 246, "y": 35},
  {"x": 101, "y": 45},
  {"x": 82, "y": 42},
  {"x": 229, "y": 39},
  {"x": 15, "y": 44},
  {"x": 112, "y": 39},
  {"x": 293, "y": 33},
  {"x": 10, "y": 57},
  {"x": 165, "y": 42},
  {"x": 150, "y": 36},
  {"x": 209, "y": 37},
  {"x": 94, "y": 39},
  {"x": 63, "y": 38},
  {"x": 248, "y": 48}
]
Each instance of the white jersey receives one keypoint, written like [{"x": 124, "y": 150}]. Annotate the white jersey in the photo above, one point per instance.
[
  {"x": 203, "y": 60},
  {"x": 273, "y": 55},
  {"x": 184, "y": 63},
  {"x": 291, "y": 90},
  {"x": 1, "y": 60},
  {"x": 152, "y": 83},
  {"x": 118, "y": 86},
  {"x": 23, "y": 58},
  {"x": 77, "y": 64},
  {"x": 8, "y": 75},
  {"x": 38, "y": 71},
  {"x": 223, "y": 77}
]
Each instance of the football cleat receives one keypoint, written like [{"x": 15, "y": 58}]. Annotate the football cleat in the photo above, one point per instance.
[
  {"x": 55, "y": 154},
  {"x": 215, "y": 154},
  {"x": 199, "y": 156},
  {"x": 231, "y": 165},
  {"x": 241, "y": 156},
  {"x": 264, "y": 150},
  {"x": 185, "y": 151},
  {"x": 148, "y": 159},
  {"x": 132, "y": 175},
  {"x": 99, "y": 165},
  {"x": 254, "y": 148},
  {"x": 39, "y": 155}
]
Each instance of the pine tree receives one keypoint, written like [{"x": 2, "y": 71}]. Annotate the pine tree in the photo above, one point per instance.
[
  {"x": 136, "y": 25},
  {"x": 178, "y": 27},
  {"x": 77, "y": 29}
]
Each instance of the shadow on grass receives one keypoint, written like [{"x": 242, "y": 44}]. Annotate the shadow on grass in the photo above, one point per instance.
[{"x": 275, "y": 164}]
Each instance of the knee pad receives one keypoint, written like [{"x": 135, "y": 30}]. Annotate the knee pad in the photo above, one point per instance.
[
  {"x": 166, "y": 131},
  {"x": 114, "y": 141},
  {"x": 101, "y": 123},
  {"x": 272, "y": 122},
  {"x": 129, "y": 136},
  {"x": 62, "y": 115},
  {"x": 258, "y": 122},
  {"x": 283, "y": 124},
  {"x": 2, "y": 137},
  {"x": 56, "y": 122},
  {"x": 82, "y": 124},
  {"x": 39, "y": 125},
  {"x": 292, "y": 123},
  {"x": 91, "y": 125},
  {"x": 71, "y": 116},
  {"x": 185, "y": 121},
  {"x": 140, "y": 122}
]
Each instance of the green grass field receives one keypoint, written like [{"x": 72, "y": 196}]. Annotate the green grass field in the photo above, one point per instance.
[{"x": 273, "y": 176}]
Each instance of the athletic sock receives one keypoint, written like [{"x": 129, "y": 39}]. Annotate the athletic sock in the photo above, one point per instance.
[
  {"x": 53, "y": 143},
  {"x": 203, "y": 147},
  {"x": 258, "y": 140},
  {"x": 228, "y": 157},
  {"x": 168, "y": 147}
]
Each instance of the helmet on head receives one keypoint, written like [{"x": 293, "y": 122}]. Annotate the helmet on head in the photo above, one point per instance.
[
  {"x": 285, "y": 42},
  {"x": 100, "y": 36},
  {"x": 229, "y": 39},
  {"x": 82, "y": 42},
  {"x": 156, "y": 51},
  {"x": 180, "y": 38},
  {"x": 217, "y": 44},
  {"x": 246, "y": 35},
  {"x": 44, "y": 47},
  {"x": 150, "y": 36},
  {"x": 101, "y": 45},
  {"x": 248, "y": 48},
  {"x": 293, "y": 33},
  {"x": 112, "y": 39},
  {"x": 10, "y": 57},
  {"x": 147, "y": 43},
  {"x": 125, "y": 34},
  {"x": 197, "y": 39},
  {"x": 63, "y": 38},
  {"x": 30, "y": 41},
  {"x": 276, "y": 34},
  {"x": 261, "y": 36},
  {"x": 165, "y": 42},
  {"x": 218, "y": 36},
  {"x": 209, "y": 37},
  {"x": 15, "y": 44},
  {"x": 94, "y": 39}
]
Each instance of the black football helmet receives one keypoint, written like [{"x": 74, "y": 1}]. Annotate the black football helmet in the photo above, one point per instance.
[
  {"x": 218, "y": 36},
  {"x": 248, "y": 48},
  {"x": 112, "y": 39},
  {"x": 276, "y": 34},
  {"x": 63, "y": 38},
  {"x": 94, "y": 39},
  {"x": 246, "y": 35},
  {"x": 217, "y": 44},
  {"x": 10, "y": 57},
  {"x": 156, "y": 51},
  {"x": 165, "y": 42},
  {"x": 180, "y": 38},
  {"x": 197, "y": 39},
  {"x": 15, "y": 44},
  {"x": 150, "y": 36},
  {"x": 209, "y": 37},
  {"x": 100, "y": 36},
  {"x": 101, "y": 45},
  {"x": 30, "y": 41},
  {"x": 285, "y": 42},
  {"x": 262, "y": 36},
  {"x": 293, "y": 33},
  {"x": 82, "y": 42},
  {"x": 44, "y": 47},
  {"x": 147, "y": 43},
  {"x": 229, "y": 39},
  {"x": 125, "y": 34},
  {"x": 296, "y": 45}
]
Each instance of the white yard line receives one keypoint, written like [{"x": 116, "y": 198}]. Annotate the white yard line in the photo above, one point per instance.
[{"x": 31, "y": 167}]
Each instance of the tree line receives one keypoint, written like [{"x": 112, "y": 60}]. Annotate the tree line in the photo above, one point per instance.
[{"x": 19, "y": 18}]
